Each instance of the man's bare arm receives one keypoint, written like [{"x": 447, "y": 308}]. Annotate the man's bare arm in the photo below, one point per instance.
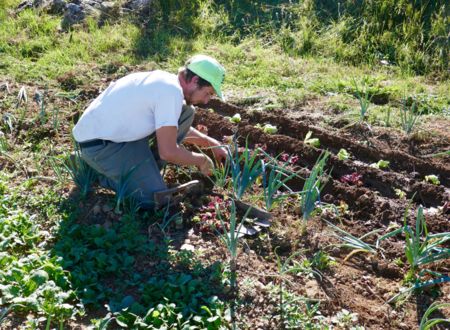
[{"x": 171, "y": 152}]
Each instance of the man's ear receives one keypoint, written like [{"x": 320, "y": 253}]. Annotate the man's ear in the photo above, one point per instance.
[{"x": 194, "y": 80}]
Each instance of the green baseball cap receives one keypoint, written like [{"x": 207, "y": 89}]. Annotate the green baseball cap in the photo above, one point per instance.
[{"x": 209, "y": 69}]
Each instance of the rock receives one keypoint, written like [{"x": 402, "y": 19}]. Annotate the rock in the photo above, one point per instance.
[
  {"x": 55, "y": 7},
  {"x": 187, "y": 247},
  {"x": 138, "y": 4},
  {"x": 312, "y": 289},
  {"x": 106, "y": 208},
  {"x": 107, "y": 224},
  {"x": 96, "y": 209},
  {"x": 74, "y": 14}
]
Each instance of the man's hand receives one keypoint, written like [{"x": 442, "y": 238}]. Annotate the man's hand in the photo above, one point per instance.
[
  {"x": 202, "y": 140},
  {"x": 206, "y": 166},
  {"x": 220, "y": 153}
]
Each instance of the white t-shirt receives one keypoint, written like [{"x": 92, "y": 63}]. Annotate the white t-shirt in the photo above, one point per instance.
[{"x": 132, "y": 108}]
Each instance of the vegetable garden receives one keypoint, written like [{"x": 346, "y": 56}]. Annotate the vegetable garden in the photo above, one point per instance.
[{"x": 331, "y": 212}]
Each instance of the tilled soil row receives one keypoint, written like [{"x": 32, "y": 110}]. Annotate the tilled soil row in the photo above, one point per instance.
[
  {"x": 399, "y": 160},
  {"x": 383, "y": 182}
]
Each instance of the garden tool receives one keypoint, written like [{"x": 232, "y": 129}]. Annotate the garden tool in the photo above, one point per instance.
[
  {"x": 256, "y": 219},
  {"x": 175, "y": 195}
]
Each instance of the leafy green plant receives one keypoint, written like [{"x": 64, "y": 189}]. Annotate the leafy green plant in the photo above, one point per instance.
[
  {"x": 309, "y": 140},
  {"x": 310, "y": 193},
  {"x": 433, "y": 179},
  {"x": 400, "y": 193},
  {"x": 409, "y": 116},
  {"x": 267, "y": 128},
  {"x": 345, "y": 319},
  {"x": 236, "y": 118},
  {"x": 343, "y": 154},
  {"x": 381, "y": 164},
  {"x": 322, "y": 260},
  {"x": 174, "y": 301},
  {"x": 426, "y": 323}
]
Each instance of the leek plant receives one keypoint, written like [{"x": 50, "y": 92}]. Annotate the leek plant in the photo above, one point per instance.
[
  {"x": 243, "y": 177},
  {"x": 364, "y": 99},
  {"x": 409, "y": 116},
  {"x": 283, "y": 269},
  {"x": 81, "y": 173},
  {"x": 273, "y": 181},
  {"x": 354, "y": 243},
  {"x": 312, "y": 188},
  {"x": 426, "y": 323},
  {"x": 231, "y": 239},
  {"x": 421, "y": 251}
]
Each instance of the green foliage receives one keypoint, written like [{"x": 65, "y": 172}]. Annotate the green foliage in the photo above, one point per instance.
[
  {"x": 274, "y": 180},
  {"x": 310, "y": 193},
  {"x": 421, "y": 247},
  {"x": 30, "y": 279},
  {"x": 93, "y": 254},
  {"x": 433, "y": 179},
  {"x": 426, "y": 323},
  {"x": 245, "y": 168},
  {"x": 409, "y": 116},
  {"x": 343, "y": 154},
  {"x": 82, "y": 174},
  {"x": 314, "y": 142},
  {"x": 364, "y": 98},
  {"x": 176, "y": 300},
  {"x": 381, "y": 164}
]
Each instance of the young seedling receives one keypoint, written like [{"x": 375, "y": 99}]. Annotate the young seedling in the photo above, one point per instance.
[
  {"x": 267, "y": 128},
  {"x": 343, "y": 154},
  {"x": 236, "y": 118},
  {"x": 426, "y": 323},
  {"x": 381, "y": 164},
  {"x": 409, "y": 116},
  {"x": 231, "y": 239},
  {"x": 276, "y": 178},
  {"x": 400, "y": 193},
  {"x": 433, "y": 179},
  {"x": 314, "y": 142},
  {"x": 356, "y": 244},
  {"x": 81, "y": 173},
  {"x": 310, "y": 193},
  {"x": 22, "y": 96},
  {"x": 283, "y": 269},
  {"x": 243, "y": 177},
  {"x": 362, "y": 94}
]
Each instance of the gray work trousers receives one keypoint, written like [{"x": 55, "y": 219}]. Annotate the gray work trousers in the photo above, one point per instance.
[{"x": 134, "y": 167}]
